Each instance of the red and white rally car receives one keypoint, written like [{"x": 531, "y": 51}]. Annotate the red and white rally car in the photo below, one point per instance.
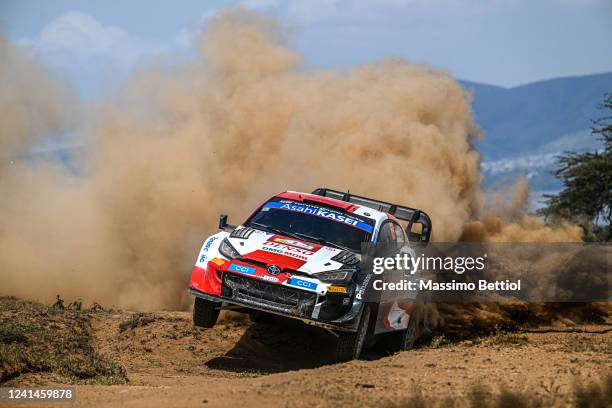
[{"x": 300, "y": 255}]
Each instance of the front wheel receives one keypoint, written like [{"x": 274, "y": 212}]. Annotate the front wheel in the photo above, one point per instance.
[
  {"x": 349, "y": 345},
  {"x": 399, "y": 340},
  {"x": 408, "y": 337},
  {"x": 205, "y": 313}
]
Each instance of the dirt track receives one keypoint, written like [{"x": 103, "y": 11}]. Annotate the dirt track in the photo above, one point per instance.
[{"x": 169, "y": 363}]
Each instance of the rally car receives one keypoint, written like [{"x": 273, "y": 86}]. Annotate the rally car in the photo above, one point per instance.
[{"x": 302, "y": 256}]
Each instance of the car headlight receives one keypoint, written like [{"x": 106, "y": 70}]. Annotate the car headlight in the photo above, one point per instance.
[
  {"x": 227, "y": 250},
  {"x": 337, "y": 276}
]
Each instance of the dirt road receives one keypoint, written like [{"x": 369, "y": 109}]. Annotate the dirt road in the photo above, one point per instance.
[{"x": 168, "y": 362}]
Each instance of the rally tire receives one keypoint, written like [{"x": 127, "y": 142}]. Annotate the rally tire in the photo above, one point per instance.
[
  {"x": 349, "y": 345},
  {"x": 205, "y": 313},
  {"x": 408, "y": 337},
  {"x": 390, "y": 343}
]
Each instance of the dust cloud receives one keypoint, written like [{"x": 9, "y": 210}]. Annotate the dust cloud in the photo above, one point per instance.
[
  {"x": 32, "y": 103},
  {"x": 242, "y": 120},
  {"x": 504, "y": 219}
]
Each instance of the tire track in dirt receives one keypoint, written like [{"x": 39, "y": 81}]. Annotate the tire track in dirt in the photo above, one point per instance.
[
  {"x": 166, "y": 343},
  {"x": 171, "y": 363}
]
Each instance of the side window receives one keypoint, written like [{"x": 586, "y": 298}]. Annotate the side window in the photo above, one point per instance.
[
  {"x": 399, "y": 233},
  {"x": 384, "y": 235}
]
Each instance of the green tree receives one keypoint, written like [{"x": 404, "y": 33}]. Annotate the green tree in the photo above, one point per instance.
[{"x": 586, "y": 198}]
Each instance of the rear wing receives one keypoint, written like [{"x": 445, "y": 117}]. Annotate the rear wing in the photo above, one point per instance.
[{"x": 401, "y": 212}]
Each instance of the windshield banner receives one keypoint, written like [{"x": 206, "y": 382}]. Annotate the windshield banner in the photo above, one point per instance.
[{"x": 319, "y": 212}]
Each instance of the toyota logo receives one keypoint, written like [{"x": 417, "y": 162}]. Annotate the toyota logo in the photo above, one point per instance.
[{"x": 274, "y": 270}]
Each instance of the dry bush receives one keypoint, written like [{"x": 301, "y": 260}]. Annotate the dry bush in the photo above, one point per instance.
[{"x": 35, "y": 338}]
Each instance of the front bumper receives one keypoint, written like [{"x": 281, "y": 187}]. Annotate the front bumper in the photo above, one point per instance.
[{"x": 330, "y": 311}]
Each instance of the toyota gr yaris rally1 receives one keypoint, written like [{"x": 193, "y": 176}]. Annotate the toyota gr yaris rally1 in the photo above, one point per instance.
[{"x": 300, "y": 255}]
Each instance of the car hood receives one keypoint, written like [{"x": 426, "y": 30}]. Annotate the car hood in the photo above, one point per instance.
[{"x": 288, "y": 253}]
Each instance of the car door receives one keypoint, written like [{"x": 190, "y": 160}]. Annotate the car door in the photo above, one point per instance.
[{"x": 390, "y": 315}]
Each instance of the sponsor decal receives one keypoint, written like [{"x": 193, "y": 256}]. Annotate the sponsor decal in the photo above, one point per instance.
[
  {"x": 300, "y": 283},
  {"x": 209, "y": 243},
  {"x": 363, "y": 287},
  {"x": 217, "y": 261},
  {"x": 246, "y": 270},
  {"x": 276, "y": 250},
  {"x": 337, "y": 289},
  {"x": 268, "y": 278},
  {"x": 206, "y": 247},
  {"x": 330, "y": 249},
  {"x": 320, "y": 212},
  {"x": 288, "y": 250},
  {"x": 281, "y": 252},
  {"x": 294, "y": 243}
]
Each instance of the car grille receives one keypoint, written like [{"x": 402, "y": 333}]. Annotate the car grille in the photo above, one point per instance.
[{"x": 268, "y": 295}]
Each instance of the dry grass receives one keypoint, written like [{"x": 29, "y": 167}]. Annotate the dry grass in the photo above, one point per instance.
[
  {"x": 53, "y": 340},
  {"x": 137, "y": 320},
  {"x": 597, "y": 394},
  {"x": 503, "y": 338}
]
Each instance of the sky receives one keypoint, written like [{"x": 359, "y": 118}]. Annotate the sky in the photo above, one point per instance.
[{"x": 96, "y": 44}]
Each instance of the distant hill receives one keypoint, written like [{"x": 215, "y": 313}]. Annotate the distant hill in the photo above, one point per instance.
[
  {"x": 527, "y": 127},
  {"x": 524, "y": 119}
]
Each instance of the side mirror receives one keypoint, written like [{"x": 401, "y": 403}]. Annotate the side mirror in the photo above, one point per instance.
[
  {"x": 423, "y": 220},
  {"x": 412, "y": 236},
  {"x": 222, "y": 221},
  {"x": 223, "y": 225}
]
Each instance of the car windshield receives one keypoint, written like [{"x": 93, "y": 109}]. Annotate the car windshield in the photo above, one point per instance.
[{"x": 313, "y": 223}]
